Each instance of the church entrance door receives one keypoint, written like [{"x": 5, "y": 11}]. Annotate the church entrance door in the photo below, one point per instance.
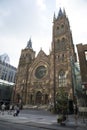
[{"x": 38, "y": 97}]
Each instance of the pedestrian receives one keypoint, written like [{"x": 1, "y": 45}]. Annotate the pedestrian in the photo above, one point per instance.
[
  {"x": 76, "y": 113},
  {"x": 3, "y": 108},
  {"x": 16, "y": 110},
  {"x": 10, "y": 109}
]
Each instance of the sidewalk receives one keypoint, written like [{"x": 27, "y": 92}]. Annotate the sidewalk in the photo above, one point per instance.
[
  {"x": 45, "y": 121},
  {"x": 79, "y": 122}
]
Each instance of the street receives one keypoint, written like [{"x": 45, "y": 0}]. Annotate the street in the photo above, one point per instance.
[
  {"x": 15, "y": 126},
  {"x": 12, "y": 126},
  {"x": 30, "y": 119}
]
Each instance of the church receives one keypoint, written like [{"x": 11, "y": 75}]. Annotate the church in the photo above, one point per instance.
[{"x": 39, "y": 78}]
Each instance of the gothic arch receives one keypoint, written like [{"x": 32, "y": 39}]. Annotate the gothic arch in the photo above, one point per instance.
[
  {"x": 46, "y": 98},
  {"x": 62, "y": 78},
  {"x": 38, "y": 97}
]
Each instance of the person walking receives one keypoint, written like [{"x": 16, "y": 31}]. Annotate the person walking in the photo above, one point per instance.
[
  {"x": 3, "y": 108},
  {"x": 10, "y": 109},
  {"x": 76, "y": 113},
  {"x": 16, "y": 110}
]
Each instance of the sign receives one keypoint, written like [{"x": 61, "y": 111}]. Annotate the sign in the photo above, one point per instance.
[
  {"x": 85, "y": 85},
  {"x": 82, "y": 109}
]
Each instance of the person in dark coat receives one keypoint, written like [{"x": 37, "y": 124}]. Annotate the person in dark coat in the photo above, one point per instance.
[
  {"x": 76, "y": 111},
  {"x": 16, "y": 110}
]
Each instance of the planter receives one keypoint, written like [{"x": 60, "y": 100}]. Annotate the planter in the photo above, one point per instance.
[{"x": 61, "y": 119}]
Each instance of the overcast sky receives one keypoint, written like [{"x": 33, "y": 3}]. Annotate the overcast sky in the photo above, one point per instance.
[{"x": 22, "y": 19}]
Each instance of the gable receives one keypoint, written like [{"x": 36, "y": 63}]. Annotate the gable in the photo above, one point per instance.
[{"x": 41, "y": 54}]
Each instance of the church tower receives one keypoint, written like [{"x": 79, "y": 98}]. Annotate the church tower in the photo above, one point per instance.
[
  {"x": 62, "y": 55},
  {"x": 26, "y": 59}
]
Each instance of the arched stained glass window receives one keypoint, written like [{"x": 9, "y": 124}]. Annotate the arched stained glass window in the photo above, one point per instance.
[
  {"x": 57, "y": 44},
  {"x": 63, "y": 43},
  {"x": 63, "y": 40},
  {"x": 58, "y": 41},
  {"x": 62, "y": 79}
]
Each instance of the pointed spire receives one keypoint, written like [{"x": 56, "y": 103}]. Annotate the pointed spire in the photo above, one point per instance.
[
  {"x": 54, "y": 17},
  {"x": 64, "y": 12},
  {"x": 49, "y": 50},
  {"x": 29, "y": 44},
  {"x": 60, "y": 13}
]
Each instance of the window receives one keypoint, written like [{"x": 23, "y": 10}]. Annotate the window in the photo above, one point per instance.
[
  {"x": 63, "y": 40},
  {"x": 57, "y": 44},
  {"x": 40, "y": 71},
  {"x": 57, "y": 27},
  {"x": 58, "y": 41},
  {"x": 63, "y": 43},
  {"x": 58, "y": 57},
  {"x": 86, "y": 55},
  {"x": 62, "y": 26},
  {"x": 62, "y": 57},
  {"x": 62, "y": 79}
]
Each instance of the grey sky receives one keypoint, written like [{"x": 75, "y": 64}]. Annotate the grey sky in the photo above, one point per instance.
[{"x": 22, "y": 19}]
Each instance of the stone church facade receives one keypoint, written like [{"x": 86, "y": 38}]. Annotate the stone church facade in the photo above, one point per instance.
[{"x": 40, "y": 78}]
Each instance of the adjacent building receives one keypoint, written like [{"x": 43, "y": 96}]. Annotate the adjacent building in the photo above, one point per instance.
[
  {"x": 82, "y": 54},
  {"x": 7, "y": 79},
  {"x": 7, "y": 71}
]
